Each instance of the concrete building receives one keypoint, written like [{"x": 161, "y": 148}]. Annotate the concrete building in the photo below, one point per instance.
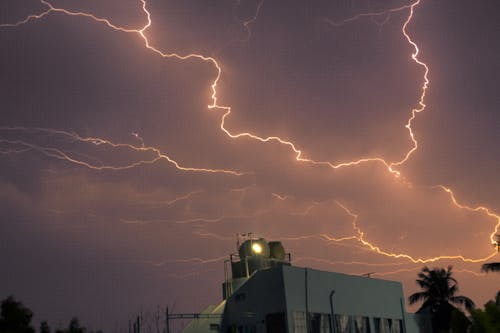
[{"x": 267, "y": 294}]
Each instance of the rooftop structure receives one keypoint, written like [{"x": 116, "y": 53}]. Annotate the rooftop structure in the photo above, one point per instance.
[{"x": 265, "y": 293}]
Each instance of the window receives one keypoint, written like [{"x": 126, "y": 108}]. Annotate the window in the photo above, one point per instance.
[
  {"x": 381, "y": 325},
  {"x": 396, "y": 326},
  {"x": 385, "y": 325},
  {"x": 342, "y": 323},
  {"x": 319, "y": 323},
  {"x": 361, "y": 324},
  {"x": 299, "y": 322}
]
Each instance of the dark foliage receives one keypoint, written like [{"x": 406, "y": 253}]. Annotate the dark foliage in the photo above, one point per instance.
[
  {"x": 491, "y": 267},
  {"x": 15, "y": 317},
  {"x": 439, "y": 295}
]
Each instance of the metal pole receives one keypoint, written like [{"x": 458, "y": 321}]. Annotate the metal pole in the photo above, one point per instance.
[
  {"x": 307, "y": 299},
  {"x": 333, "y": 328},
  {"x": 403, "y": 314},
  {"x": 167, "y": 320},
  {"x": 246, "y": 267}
]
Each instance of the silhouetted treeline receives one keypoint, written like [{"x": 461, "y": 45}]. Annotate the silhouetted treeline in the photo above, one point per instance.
[
  {"x": 448, "y": 310},
  {"x": 16, "y": 318}
]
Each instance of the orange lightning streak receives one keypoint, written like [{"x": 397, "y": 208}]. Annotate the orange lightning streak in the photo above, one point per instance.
[
  {"x": 248, "y": 23},
  {"x": 407, "y": 270},
  {"x": 184, "y": 197},
  {"x": 421, "y": 107},
  {"x": 483, "y": 209},
  {"x": 214, "y": 105},
  {"x": 372, "y": 14},
  {"x": 280, "y": 197},
  {"x": 421, "y": 101},
  {"x": 415, "y": 58},
  {"x": 334, "y": 262},
  {"x": 187, "y": 261},
  {"x": 53, "y": 152},
  {"x": 378, "y": 250},
  {"x": 60, "y": 154}
]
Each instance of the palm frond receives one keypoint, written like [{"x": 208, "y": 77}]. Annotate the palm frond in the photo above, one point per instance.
[
  {"x": 463, "y": 301},
  {"x": 491, "y": 267},
  {"x": 417, "y": 297}
]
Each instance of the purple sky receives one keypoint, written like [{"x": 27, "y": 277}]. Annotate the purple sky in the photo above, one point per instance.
[{"x": 120, "y": 189}]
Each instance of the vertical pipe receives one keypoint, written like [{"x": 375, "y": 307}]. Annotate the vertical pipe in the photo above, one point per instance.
[
  {"x": 167, "y": 318},
  {"x": 226, "y": 288},
  {"x": 246, "y": 267},
  {"x": 333, "y": 328},
  {"x": 307, "y": 298},
  {"x": 403, "y": 314}
]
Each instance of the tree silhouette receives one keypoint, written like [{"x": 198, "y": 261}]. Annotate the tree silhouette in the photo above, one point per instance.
[
  {"x": 491, "y": 267},
  {"x": 74, "y": 327},
  {"x": 438, "y": 294},
  {"x": 487, "y": 320},
  {"x": 15, "y": 317},
  {"x": 44, "y": 327}
]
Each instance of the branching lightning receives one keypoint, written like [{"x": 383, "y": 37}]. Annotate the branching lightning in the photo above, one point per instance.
[
  {"x": 360, "y": 237},
  {"x": 156, "y": 154},
  {"x": 60, "y": 154}
]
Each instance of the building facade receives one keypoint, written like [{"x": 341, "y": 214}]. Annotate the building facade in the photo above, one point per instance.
[{"x": 274, "y": 297}]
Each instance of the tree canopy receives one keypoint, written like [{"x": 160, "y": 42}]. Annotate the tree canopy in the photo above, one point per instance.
[
  {"x": 15, "y": 317},
  {"x": 439, "y": 296}
]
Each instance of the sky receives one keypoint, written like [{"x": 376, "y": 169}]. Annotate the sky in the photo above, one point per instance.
[{"x": 138, "y": 138}]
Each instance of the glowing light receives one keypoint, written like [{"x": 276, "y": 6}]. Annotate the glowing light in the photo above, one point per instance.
[{"x": 257, "y": 248}]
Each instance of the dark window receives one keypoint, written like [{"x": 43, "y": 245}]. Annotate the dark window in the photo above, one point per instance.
[
  {"x": 386, "y": 325},
  {"x": 319, "y": 323},
  {"x": 361, "y": 324},
  {"x": 276, "y": 323}
]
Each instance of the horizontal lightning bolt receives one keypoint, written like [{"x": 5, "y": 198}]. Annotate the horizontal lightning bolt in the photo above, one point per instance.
[
  {"x": 73, "y": 137},
  {"x": 336, "y": 262},
  {"x": 360, "y": 237}
]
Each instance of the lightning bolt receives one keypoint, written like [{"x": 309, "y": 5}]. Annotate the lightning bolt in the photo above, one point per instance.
[
  {"x": 481, "y": 209},
  {"x": 407, "y": 270},
  {"x": 194, "y": 261},
  {"x": 184, "y": 197},
  {"x": 280, "y": 197},
  {"x": 361, "y": 238},
  {"x": 73, "y": 137},
  {"x": 335, "y": 262},
  {"x": 226, "y": 111}
]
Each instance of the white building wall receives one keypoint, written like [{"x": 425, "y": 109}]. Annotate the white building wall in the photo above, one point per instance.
[{"x": 354, "y": 295}]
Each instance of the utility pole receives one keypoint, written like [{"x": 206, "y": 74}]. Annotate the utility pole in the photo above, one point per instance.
[{"x": 167, "y": 322}]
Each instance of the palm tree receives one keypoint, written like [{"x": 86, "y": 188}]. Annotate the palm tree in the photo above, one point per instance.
[{"x": 438, "y": 294}]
